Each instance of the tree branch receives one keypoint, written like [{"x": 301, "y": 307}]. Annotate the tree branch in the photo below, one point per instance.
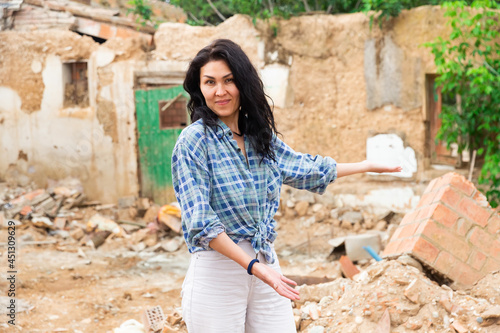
[
  {"x": 198, "y": 20},
  {"x": 491, "y": 68},
  {"x": 306, "y": 6},
  {"x": 357, "y": 5},
  {"x": 216, "y": 11},
  {"x": 271, "y": 8}
]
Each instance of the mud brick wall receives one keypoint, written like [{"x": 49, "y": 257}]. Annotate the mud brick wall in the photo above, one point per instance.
[{"x": 452, "y": 230}]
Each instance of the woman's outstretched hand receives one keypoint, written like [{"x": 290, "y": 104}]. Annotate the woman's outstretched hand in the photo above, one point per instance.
[
  {"x": 278, "y": 282},
  {"x": 379, "y": 167}
]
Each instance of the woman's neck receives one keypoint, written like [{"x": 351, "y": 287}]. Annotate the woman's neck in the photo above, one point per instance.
[{"x": 232, "y": 124}]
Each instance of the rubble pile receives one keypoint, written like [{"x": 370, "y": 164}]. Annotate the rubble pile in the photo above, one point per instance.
[
  {"x": 397, "y": 294},
  {"x": 414, "y": 303},
  {"x": 62, "y": 215},
  {"x": 307, "y": 211}
]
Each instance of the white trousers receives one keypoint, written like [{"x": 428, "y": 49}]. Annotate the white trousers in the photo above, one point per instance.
[{"x": 219, "y": 296}]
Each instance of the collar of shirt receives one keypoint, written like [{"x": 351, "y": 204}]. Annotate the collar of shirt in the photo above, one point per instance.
[{"x": 222, "y": 129}]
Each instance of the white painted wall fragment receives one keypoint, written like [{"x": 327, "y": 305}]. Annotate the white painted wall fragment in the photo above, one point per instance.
[
  {"x": 276, "y": 84},
  {"x": 389, "y": 149},
  {"x": 104, "y": 56}
]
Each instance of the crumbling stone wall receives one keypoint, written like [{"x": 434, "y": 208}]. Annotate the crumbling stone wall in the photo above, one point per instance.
[{"x": 353, "y": 82}]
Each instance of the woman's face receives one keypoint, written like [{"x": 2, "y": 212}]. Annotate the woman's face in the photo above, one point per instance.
[{"x": 220, "y": 92}]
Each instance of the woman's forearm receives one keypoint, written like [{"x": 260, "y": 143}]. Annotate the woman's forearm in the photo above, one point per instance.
[
  {"x": 224, "y": 245},
  {"x": 346, "y": 169}
]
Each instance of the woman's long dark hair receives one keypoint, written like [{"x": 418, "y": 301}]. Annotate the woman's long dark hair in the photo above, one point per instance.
[{"x": 256, "y": 118}]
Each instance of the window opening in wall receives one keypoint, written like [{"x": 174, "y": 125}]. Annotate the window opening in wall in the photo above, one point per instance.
[
  {"x": 173, "y": 112},
  {"x": 76, "y": 87}
]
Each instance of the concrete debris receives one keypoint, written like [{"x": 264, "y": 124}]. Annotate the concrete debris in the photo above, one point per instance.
[
  {"x": 352, "y": 217},
  {"x": 174, "y": 318},
  {"x": 409, "y": 261},
  {"x": 385, "y": 296},
  {"x": 394, "y": 297},
  {"x": 491, "y": 316},
  {"x": 62, "y": 211},
  {"x": 384, "y": 324},
  {"x": 130, "y": 326},
  {"x": 301, "y": 208},
  {"x": 418, "y": 291},
  {"x": 99, "y": 223}
]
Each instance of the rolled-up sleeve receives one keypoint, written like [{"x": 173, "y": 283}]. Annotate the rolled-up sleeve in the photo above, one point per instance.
[
  {"x": 191, "y": 182},
  {"x": 304, "y": 171}
]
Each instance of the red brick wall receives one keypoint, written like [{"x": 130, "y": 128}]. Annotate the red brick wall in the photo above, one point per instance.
[{"x": 453, "y": 230}]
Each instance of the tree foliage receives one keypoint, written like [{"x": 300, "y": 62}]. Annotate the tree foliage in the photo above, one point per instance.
[
  {"x": 206, "y": 12},
  {"x": 142, "y": 10},
  {"x": 468, "y": 62}
]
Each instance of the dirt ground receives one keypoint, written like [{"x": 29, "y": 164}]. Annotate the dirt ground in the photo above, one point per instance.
[
  {"x": 66, "y": 285},
  {"x": 74, "y": 288}
]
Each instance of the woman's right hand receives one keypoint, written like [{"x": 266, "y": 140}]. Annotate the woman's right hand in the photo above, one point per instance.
[{"x": 281, "y": 284}]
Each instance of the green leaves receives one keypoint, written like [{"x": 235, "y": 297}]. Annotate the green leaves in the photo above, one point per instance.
[
  {"x": 468, "y": 63},
  {"x": 142, "y": 10},
  {"x": 201, "y": 12}
]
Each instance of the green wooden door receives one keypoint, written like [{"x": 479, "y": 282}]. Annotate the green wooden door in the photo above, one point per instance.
[{"x": 161, "y": 116}]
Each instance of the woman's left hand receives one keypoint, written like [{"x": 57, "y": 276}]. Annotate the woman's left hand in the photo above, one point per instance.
[{"x": 281, "y": 284}]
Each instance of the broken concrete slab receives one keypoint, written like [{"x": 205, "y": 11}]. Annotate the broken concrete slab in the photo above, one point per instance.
[
  {"x": 354, "y": 245},
  {"x": 352, "y": 217}
]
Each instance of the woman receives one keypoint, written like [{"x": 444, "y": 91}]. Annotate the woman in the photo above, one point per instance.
[{"x": 228, "y": 167}]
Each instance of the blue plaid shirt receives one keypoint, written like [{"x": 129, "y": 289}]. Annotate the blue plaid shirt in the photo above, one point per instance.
[{"x": 219, "y": 192}]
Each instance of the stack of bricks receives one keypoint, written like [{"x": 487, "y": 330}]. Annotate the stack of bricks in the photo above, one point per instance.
[{"x": 453, "y": 230}]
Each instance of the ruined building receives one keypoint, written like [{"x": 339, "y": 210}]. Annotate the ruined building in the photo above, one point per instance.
[{"x": 88, "y": 94}]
